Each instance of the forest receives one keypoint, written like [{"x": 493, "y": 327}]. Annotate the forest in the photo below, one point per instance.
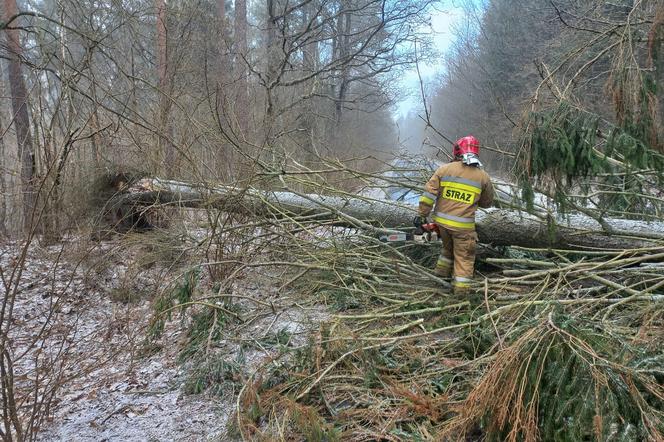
[{"x": 206, "y": 220}]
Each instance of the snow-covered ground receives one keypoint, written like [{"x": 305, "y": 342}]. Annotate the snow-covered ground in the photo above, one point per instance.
[{"x": 113, "y": 387}]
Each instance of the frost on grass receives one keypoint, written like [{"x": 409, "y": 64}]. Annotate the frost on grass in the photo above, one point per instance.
[{"x": 67, "y": 328}]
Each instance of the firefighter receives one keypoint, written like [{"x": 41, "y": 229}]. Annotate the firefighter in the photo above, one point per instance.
[{"x": 454, "y": 192}]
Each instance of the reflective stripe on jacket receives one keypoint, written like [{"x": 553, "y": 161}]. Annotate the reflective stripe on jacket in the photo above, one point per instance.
[{"x": 454, "y": 192}]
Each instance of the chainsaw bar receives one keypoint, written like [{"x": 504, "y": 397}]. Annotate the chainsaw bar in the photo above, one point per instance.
[
  {"x": 424, "y": 233},
  {"x": 397, "y": 237},
  {"x": 403, "y": 237}
]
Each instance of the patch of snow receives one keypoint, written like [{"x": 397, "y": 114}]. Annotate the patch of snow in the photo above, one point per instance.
[{"x": 114, "y": 392}]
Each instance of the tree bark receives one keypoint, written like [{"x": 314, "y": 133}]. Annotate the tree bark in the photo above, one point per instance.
[
  {"x": 498, "y": 227},
  {"x": 271, "y": 52},
  {"x": 222, "y": 80},
  {"x": 310, "y": 63},
  {"x": 98, "y": 143},
  {"x": 310, "y": 52},
  {"x": 4, "y": 172},
  {"x": 221, "y": 13},
  {"x": 165, "y": 129},
  {"x": 656, "y": 61},
  {"x": 344, "y": 51},
  {"x": 242, "y": 94},
  {"x": 21, "y": 118}
]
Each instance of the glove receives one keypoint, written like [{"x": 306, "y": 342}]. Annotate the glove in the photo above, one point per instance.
[{"x": 417, "y": 222}]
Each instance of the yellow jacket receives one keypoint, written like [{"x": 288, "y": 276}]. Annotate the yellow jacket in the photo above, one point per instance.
[{"x": 454, "y": 192}]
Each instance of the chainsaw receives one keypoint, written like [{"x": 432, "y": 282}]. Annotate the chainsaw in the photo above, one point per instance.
[{"x": 425, "y": 233}]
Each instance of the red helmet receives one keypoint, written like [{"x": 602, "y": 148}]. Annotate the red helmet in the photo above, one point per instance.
[{"x": 464, "y": 145}]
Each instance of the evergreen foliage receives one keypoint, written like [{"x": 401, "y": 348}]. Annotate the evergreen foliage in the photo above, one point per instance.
[
  {"x": 561, "y": 145},
  {"x": 214, "y": 375},
  {"x": 164, "y": 305},
  {"x": 205, "y": 324},
  {"x": 564, "y": 379},
  {"x": 407, "y": 362},
  {"x": 565, "y": 151}
]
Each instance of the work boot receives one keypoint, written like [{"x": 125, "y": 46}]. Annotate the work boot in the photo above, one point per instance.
[
  {"x": 461, "y": 286},
  {"x": 461, "y": 291}
]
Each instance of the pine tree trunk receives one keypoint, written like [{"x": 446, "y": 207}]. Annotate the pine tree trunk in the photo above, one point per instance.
[
  {"x": 164, "y": 90},
  {"x": 221, "y": 15},
  {"x": 344, "y": 51},
  {"x": 21, "y": 118},
  {"x": 242, "y": 95},
  {"x": 10, "y": 166},
  {"x": 222, "y": 81},
  {"x": 271, "y": 49},
  {"x": 4, "y": 185},
  {"x": 310, "y": 60},
  {"x": 97, "y": 138},
  {"x": 656, "y": 55}
]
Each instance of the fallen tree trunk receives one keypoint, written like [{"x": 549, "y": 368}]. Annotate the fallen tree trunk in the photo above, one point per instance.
[{"x": 494, "y": 226}]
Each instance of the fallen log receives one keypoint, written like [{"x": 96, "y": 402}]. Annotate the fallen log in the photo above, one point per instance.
[{"x": 498, "y": 227}]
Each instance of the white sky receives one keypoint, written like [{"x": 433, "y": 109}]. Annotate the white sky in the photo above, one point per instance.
[{"x": 443, "y": 22}]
